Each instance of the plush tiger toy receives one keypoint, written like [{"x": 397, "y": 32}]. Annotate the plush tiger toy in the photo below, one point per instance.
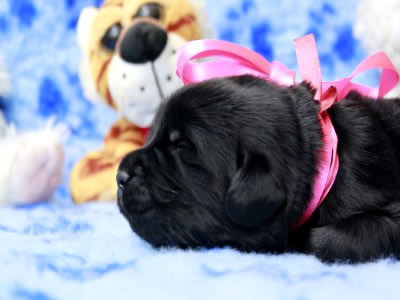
[{"x": 129, "y": 50}]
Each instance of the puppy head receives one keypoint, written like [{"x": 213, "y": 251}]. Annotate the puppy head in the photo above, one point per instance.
[{"x": 216, "y": 170}]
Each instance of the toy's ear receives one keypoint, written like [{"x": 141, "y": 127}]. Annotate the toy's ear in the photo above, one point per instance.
[
  {"x": 202, "y": 19},
  {"x": 255, "y": 193},
  {"x": 83, "y": 28},
  {"x": 83, "y": 34}
]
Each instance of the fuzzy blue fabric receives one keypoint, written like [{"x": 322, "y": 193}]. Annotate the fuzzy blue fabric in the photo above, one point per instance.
[{"x": 59, "y": 251}]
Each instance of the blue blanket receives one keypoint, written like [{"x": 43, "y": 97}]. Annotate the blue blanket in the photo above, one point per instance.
[{"x": 59, "y": 251}]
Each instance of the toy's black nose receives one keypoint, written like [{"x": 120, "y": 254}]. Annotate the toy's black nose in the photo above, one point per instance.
[{"x": 143, "y": 42}]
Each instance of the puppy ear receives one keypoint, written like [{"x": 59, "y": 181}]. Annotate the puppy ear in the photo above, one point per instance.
[{"x": 255, "y": 193}]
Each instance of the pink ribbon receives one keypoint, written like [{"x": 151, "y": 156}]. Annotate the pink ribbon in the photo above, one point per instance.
[{"x": 223, "y": 59}]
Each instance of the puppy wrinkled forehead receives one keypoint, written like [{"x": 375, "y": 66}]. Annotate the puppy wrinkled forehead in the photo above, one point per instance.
[
  {"x": 166, "y": 122},
  {"x": 173, "y": 113}
]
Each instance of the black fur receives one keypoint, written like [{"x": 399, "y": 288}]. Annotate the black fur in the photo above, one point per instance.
[{"x": 231, "y": 162}]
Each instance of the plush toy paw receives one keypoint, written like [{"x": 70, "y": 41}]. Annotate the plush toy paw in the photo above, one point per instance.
[
  {"x": 32, "y": 165},
  {"x": 36, "y": 172}
]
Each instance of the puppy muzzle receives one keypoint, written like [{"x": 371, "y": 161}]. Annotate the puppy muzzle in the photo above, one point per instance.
[{"x": 133, "y": 194}]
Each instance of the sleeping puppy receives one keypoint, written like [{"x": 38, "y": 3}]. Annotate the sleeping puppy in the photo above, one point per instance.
[{"x": 231, "y": 162}]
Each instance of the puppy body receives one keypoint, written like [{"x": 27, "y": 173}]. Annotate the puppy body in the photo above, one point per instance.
[{"x": 232, "y": 162}]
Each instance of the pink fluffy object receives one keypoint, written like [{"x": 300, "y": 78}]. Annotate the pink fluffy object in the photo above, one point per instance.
[{"x": 31, "y": 162}]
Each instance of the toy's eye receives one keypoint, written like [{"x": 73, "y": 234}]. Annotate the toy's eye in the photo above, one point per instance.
[
  {"x": 110, "y": 39},
  {"x": 152, "y": 10}
]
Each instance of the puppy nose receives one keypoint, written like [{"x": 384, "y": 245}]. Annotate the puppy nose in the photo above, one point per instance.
[
  {"x": 122, "y": 179},
  {"x": 133, "y": 192},
  {"x": 143, "y": 42}
]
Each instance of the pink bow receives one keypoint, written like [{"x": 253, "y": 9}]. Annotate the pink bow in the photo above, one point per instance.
[{"x": 229, "y": 59}]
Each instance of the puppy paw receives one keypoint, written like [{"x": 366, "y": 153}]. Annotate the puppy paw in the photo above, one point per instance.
[
  {"x": 331, "y": 245},
  {"x": 36, "y": 171}
]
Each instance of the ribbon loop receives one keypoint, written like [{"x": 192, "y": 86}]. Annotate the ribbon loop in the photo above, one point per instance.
[
  {"x": 228, "y": 59},
  {"x": 388, "y": 79}
]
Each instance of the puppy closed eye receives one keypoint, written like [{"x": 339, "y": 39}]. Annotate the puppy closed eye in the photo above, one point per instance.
[
  {"x": 178, "y": 141},
  {"x": 175, "y": 136},
  {"x": 175, "y": 140}
]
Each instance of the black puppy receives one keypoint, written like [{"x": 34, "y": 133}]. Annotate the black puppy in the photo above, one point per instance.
[{"x": 231, "y": 162}]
